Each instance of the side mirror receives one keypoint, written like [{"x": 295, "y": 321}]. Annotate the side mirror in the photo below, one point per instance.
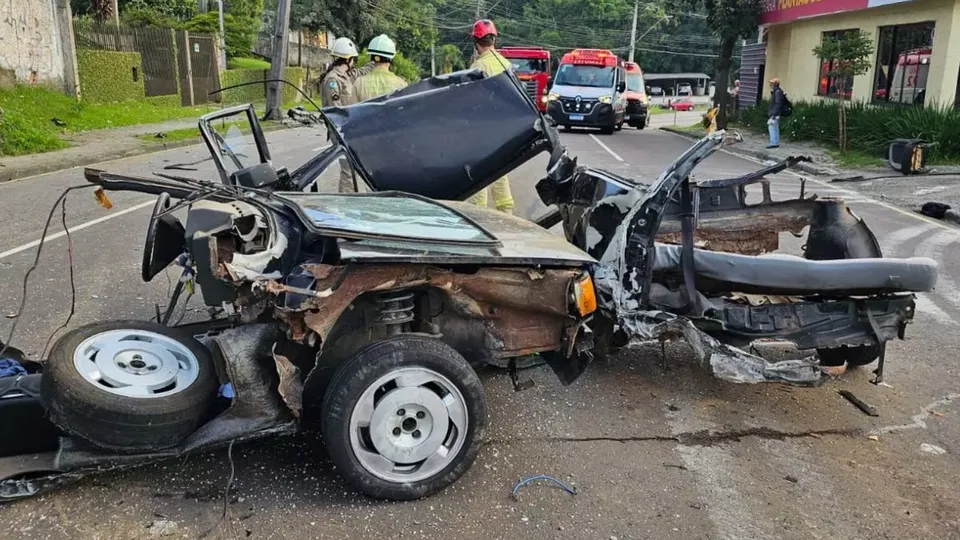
[{"x": 621, "y": 86}]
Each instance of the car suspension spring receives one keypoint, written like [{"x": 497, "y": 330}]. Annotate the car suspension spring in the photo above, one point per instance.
[{"x": 396, "y": 310}]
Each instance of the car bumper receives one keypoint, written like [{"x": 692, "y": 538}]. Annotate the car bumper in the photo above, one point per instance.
[
  {"x": 602, "y": 115},
  {"x": 636, "y": 116}
]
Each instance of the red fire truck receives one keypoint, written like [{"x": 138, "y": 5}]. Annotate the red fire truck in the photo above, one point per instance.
[{"x": 532, "y": 66}]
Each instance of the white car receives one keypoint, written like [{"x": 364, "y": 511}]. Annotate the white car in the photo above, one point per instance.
[{"x": 684, "y": 90}]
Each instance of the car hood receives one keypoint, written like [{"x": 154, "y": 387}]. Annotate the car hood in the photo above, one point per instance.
[
  {"x": 591, "y": 92},
  {"x": 445, "y": 137}
]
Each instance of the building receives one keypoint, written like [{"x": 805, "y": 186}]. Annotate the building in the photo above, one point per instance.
[{"x": 916, "y": 55}]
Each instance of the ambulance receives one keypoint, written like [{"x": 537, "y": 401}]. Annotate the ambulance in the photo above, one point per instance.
[{"x": 589, "y": 91}]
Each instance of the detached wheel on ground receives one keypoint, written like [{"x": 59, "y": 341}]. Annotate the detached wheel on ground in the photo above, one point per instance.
[
  {"x": 404, "y": 418},
  {"x": 129, "y": 386}
]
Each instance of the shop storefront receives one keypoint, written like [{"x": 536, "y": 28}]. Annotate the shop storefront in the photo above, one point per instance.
[{"x": 916, "y": 55}]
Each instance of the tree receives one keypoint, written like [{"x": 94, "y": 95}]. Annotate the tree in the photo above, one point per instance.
[
  {"x": 450, "y": 58},
  {"x": 846, "y": 55},
  {"x": 731, "y": 21}
]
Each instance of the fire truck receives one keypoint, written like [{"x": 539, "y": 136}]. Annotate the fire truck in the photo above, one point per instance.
[
  {"x": 532, "y": 66},
  {"x": 589, "y": 91}
]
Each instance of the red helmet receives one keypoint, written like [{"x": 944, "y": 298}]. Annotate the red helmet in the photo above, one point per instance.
[{"x": 483, "y": 27}]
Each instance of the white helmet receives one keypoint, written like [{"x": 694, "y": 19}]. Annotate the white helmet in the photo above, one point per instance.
[
  {"x": 344, "y": 48},
  {"x": 382, "y": 46}
]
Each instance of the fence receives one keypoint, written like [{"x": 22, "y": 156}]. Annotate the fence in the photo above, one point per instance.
[{"x": 173, "y": 62}]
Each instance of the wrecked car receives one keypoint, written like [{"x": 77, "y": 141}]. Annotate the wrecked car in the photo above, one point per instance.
[
  {"x": 366, "y": 315},
  {"x": 363, "y": 316}
]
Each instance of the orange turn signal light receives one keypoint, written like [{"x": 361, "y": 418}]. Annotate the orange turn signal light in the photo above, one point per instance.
[{"x": 586, "y": 296}]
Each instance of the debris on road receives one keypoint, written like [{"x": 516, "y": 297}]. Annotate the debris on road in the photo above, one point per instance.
[
  {"x": 874, "y": 438},
  {"x": 867, "y": 409},
  {"x": 939, "y": 210},
  {"x": 525, "y": 481},
  {"x": 932, "y": 449}
]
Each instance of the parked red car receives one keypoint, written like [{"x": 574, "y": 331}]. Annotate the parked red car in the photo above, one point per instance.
[{"x": 682, "y": 104}]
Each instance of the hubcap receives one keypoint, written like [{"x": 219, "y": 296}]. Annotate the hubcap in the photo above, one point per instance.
[
  {"x": 136, "y": 363},
  {"x": 408, "y": 425}
]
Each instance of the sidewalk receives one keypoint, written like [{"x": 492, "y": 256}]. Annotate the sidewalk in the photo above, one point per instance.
[{"x": 93, "y": 147}]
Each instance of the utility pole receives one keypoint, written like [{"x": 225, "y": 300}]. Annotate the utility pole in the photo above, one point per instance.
[
  {"x": 278, "y": 61},
  {"x": 433, "y": 59},
  {"x": 479, "y": 8},
  {"x": 633, "y": 29},
  {"x": 223, "y": 43}
]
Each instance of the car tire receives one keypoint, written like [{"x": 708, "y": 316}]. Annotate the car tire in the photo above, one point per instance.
[
  {"x": 129, "y": 386},
  {"x": 442, "y": 405},
  {"x": 619, "y": 126},
  {"x": 608, "y": 130}
]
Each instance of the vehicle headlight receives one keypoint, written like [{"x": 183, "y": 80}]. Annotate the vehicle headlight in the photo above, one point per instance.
[
  {"x": 553, "y": 96},
  {"x": 606, "y": 99},
  {"x": 543, "y": 99}
]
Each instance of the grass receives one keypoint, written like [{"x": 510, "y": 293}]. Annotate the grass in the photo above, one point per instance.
[
  {"x": 855, "y": 159},
  {"x": 35, "y": 119},
  {"x": 655, "y": 109},
  {"x": 247, "y": 63}
]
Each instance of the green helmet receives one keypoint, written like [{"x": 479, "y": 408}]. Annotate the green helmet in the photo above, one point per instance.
[{"x": 382, "y": 46}]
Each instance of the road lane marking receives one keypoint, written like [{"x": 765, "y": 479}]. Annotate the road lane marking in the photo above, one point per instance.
[
  {"x": 75, "y": 228},
  {"x": 933, "y": 247},
  {"x": 891, "y": 243},
  {"x": 605, "y": 147}
]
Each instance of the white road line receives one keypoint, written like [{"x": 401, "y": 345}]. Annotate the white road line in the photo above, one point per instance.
[
  {"x": 75, "y": 228},
  {"x": 605, "y": 147},
  {"x": 890, "y": 244},
  {"x": 933, "y": 247}
]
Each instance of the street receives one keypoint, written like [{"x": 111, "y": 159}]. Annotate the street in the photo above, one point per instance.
[{"x": 653, "y": 452}]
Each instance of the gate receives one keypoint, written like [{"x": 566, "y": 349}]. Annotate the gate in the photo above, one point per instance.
[
  {"x": 752, "y": 62},
  {"x": 155, "y": 45},
  {"x": 199, "y": 71}
]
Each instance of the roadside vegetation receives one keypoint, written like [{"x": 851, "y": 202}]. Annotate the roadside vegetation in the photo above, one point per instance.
[
  {"x": 35, "y": 119},
  {"x": 869, "y": 128}
]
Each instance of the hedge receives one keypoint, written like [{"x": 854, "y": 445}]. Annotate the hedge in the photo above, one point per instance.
[
  {"x": 258, "y": 92},
  {"x": 870, "y": 128},
  {"x": 108, "y": 76}
]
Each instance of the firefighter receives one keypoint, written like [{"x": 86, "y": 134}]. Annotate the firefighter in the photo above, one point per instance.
[
  {"x": 491, "y": 63},
  {"x": 381, "y": 80},
  {"x": 337, "y": 90}
]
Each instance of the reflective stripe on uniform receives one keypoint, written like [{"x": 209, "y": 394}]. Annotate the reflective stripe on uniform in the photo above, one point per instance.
[{"x": 491, "y": 63}]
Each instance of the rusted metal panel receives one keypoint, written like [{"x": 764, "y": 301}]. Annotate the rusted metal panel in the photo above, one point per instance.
[{"x": 524, "y": 310}]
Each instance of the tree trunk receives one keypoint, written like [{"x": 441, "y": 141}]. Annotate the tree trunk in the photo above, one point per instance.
[{"x": 723, "y": 76}]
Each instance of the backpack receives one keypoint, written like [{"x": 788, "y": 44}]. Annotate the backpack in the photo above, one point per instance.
[{"x": 787, "y": 109}]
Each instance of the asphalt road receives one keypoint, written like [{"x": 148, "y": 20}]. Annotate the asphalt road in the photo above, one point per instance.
[{"x": 752, "y": 461}]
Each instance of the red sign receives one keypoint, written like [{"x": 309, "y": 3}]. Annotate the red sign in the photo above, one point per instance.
[{"x": 780, "y": 11}]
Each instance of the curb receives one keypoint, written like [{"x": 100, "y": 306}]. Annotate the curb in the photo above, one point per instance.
[
  {"x": 10, "y": 174},
  {"x": 762, "y": 155}
]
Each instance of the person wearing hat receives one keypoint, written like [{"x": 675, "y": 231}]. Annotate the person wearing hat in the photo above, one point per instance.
[
  {"x": 380, "y": 80},
  {"x": 337, "y": 90},
  {"x": 773, "y": 114},
  {"x": 491, "y": 63}
]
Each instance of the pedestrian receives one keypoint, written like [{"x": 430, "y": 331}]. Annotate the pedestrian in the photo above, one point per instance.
[
  {"x": 337, "y": 90},
  {"x": 380, "y": 80},
  {"x": 735, "y": 95},
  {"x": 777, "y": 100},
  {"x": 491, "y": 63}
]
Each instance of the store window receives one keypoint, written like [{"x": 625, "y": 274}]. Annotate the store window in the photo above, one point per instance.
[
  {"x": 833, "y": 86},
  {"x": 903, "y": 63}
]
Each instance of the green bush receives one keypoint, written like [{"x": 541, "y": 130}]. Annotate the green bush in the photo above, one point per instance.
[
  {"x": 870, "y": 128},
  {"x": 258, "y": 92},
  {"x": 108, "y": 76},
  {"x": 402, "y": 66},
  {"x": 243, "y": 94}
]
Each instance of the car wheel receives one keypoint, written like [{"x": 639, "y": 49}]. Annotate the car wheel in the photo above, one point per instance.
[
  {"x": 608, "y": 130},
  {"x": 619, "y": 126},
  {"x": 404, "y": 418},
  {"x": 129, "y": 386}
]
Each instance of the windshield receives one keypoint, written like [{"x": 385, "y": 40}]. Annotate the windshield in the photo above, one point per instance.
[
  {"x": 528, "y": 65},
  {"x": 390, "y": 216},
  {"x": 581, "y": 75},
  {"x": 635, "y": 82}
]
